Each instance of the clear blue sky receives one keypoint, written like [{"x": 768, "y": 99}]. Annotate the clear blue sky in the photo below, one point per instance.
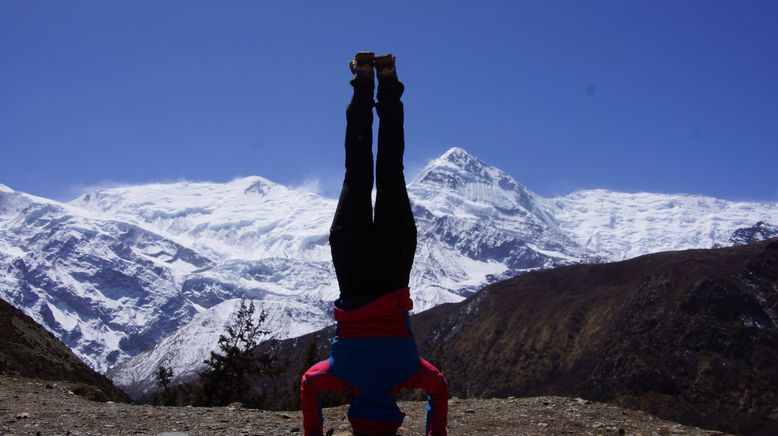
[{"x": 661, "y": 96}]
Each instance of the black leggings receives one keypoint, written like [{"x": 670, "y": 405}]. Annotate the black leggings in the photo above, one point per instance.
[{"x": 373, "y": 255}]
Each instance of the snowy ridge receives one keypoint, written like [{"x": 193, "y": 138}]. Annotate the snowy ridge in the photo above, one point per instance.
[
  {"x": 621, "y": 226},
  {"x": 151, "y": 271},
  {"x": 247, "y": 218}
]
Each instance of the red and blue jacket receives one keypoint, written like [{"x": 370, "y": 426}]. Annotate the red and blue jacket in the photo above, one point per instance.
[{"x": 373, "y": 357}]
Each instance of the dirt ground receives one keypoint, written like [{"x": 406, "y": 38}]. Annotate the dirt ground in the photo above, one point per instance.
[{"x": 29, "y": 406}]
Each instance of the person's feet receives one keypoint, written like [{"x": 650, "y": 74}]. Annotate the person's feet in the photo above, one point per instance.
[
  {"x": 362, "y": 65},
  {"x": 366, "y": 64},
  {"x": 385, "y": 66}
]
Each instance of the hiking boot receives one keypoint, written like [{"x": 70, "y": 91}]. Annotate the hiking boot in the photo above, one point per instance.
[
  {"x": 384, "y": 66},
  {"x": 362, "y": 65}
]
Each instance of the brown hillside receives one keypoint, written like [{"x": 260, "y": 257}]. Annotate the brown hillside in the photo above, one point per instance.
[
  {"x": 29, "y": 350},
  {"x": 690, "y": 336}
]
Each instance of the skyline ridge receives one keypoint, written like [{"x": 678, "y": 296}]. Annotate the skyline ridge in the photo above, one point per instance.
[{"x": 314, "y": 185}]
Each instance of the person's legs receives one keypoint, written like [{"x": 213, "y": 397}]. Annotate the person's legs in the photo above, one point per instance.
[
  {"x": 351, "y": 230},
  {"x": 395, "y": 228}
]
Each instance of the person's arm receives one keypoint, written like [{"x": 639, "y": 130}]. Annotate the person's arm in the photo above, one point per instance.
[
  {"x": 432, "y": 381},
  {"x": 316, "y": 380}
]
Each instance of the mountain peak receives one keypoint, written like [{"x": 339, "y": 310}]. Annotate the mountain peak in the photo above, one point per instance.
[
  {"x": 6, "y": 189},
  {"x": 456, "y": 168},
  {"x": 460, "y": 158},
  {"x": 254, "y": 184},
  {"x": 457, "y": 153},
  {"x": 459, "y": 178}
]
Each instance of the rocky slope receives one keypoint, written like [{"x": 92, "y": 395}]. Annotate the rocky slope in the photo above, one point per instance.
[
  {"x": 691, "y": 336},
  {"x": 29, "y": 350},
  {"x": 758, "y": 232},
  {"x": 34, "y": 407}
]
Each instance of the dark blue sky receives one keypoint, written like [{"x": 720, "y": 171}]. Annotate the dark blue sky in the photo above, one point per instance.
[{"x": 626, "y": 95}]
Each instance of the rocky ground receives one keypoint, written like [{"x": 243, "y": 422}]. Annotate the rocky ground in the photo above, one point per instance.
[{"x": 29, "y": 406}]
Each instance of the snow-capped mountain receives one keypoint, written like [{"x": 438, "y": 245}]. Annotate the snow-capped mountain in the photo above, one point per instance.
[
  {"x": 115, "y": 271},
  {"x": 474, "y": 217},
  {"x": 104, "y": 287},
  {"x": 112, "y": 284},
  {"x": 476, "y": 225}
]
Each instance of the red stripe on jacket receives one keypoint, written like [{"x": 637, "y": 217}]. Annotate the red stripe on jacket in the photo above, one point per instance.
[{"x": 385, "y": 316}]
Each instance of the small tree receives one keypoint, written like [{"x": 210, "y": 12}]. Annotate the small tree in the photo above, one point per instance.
[
  {"x": 163, "y": 376},
  {"x": 225, "y": 377}
]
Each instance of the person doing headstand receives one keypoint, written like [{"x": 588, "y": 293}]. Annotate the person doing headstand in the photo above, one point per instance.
[{"x": 373, "y": 354}]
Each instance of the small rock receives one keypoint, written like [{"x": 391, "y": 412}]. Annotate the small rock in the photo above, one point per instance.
[
  {"x": 22, "y": 415},
  {"x": 172, "y": 433},
  {"x": 469, "y": 411},
  {"x": 285, "y": 416},
  {"x": 542, "y": 424},
  {"x": 294, "y": 430},
  {"x": 546, "y": 402}
]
